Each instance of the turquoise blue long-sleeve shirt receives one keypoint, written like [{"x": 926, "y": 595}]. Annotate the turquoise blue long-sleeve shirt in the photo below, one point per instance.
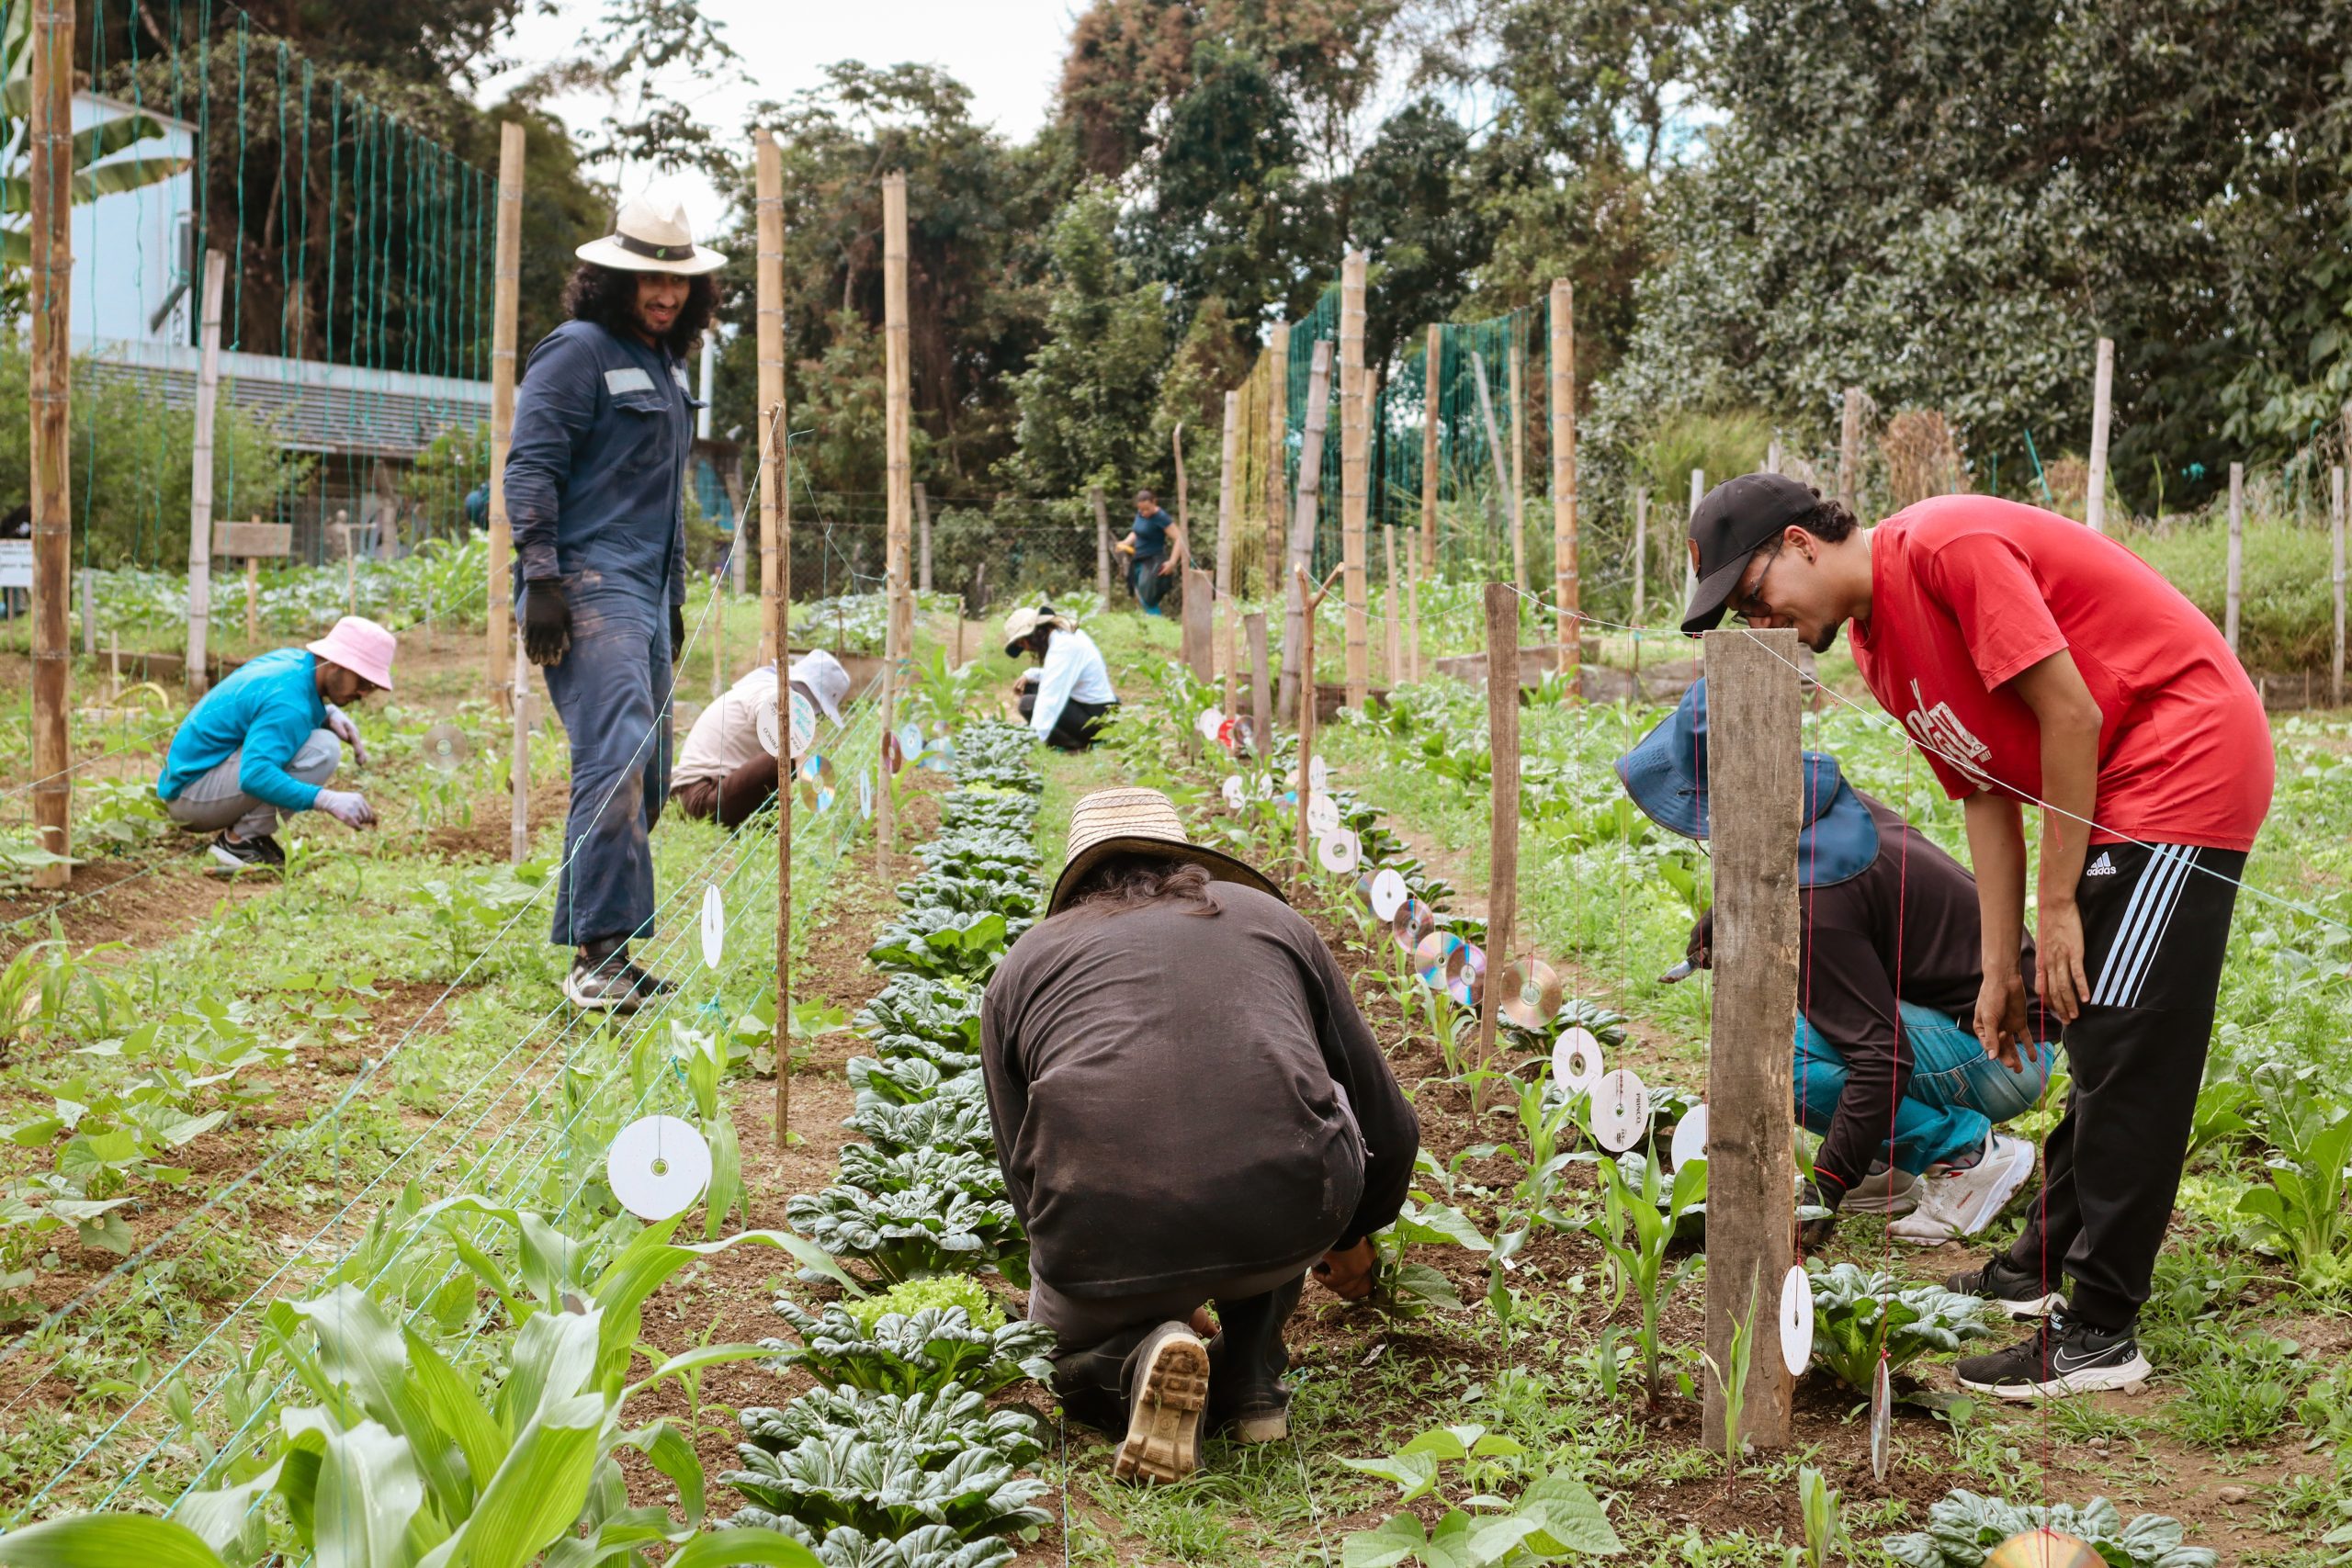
[{"x": 267, "y": 709}]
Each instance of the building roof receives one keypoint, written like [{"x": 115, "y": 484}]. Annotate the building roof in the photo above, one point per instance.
[{"x": 312, "y": 406}]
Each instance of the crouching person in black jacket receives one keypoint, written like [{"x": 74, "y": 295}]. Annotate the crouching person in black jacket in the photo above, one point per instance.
[{"x": 1189, "y": 1109}]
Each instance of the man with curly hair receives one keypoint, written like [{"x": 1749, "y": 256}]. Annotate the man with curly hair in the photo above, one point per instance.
[{"x": 595, "y": 489}]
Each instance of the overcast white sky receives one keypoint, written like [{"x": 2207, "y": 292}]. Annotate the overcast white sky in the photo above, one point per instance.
[{"x": 1009, "y": 52}]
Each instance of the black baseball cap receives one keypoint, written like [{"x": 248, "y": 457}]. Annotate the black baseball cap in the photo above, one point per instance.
[{"x": 1731, "y": 523}]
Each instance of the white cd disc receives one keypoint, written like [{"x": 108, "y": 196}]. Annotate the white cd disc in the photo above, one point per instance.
[
  {"x": 1233, "y": 794},
  {"x": 1389, "y": 893},
  {"x": 714, "y": 926},
  {"x": 1796, "y": 1320},
  {"x": 1882, "y": 1420},
  {"x": 1318, "y": 773},
  {"x": 1209, "y": 722},
  {"x": 911, "y": 740},
  {"x": 1338, "y": 849},
  {"x": 658, "y": 1166},
  {"x": 763, "y": 727},
  {"x": 865, "y": 792},
  {"x": 1576, "y": 1059},
  {"x": 1690, "y": 1138},
  {"x": 1322, "y": 813},
  {"x": 1621, "y": 1110},
  {"x": 446, "y": 748},
  {"x": 804, "y": 724}
]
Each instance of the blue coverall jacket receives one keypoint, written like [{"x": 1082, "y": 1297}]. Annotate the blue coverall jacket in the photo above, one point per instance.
[{"x": 595, "y": 493}]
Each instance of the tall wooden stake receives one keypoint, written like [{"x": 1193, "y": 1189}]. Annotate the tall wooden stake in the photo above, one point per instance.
[
  {"x": 922, "y": 537},
  {"x": 776, "y": 610},
  {"x": 2237, "y": 554},
  {"x": 1229, "y": 653},
  {"x": 1101, "y": 544},
  {"x": 2102, "y": 405},
  {"x": 2335, "y": 539},
  {"x": 1850, "y": 452},
  {"x": 1565, "y": 587},
  {"x": 1355, "y": 451},
  {"x": 506, "y": 283},
  {"x": 1228, "y": 479},
  {"x": 1395, "y": 610},
  {"x": 1495, "y": 450},
  {"x": 1502, "y": 843},
  {"x": 1302, "y": 524},
  {"x": 1431, "y": 370},
  {"x": 1200, "y": 629},
  {"x": 1772, "y": 457},
  {"x": 1262, "y": 702},
  {"x": 776, "y": 497},
  {"x": 1753, "y": 771},
  {"x": 199, "y": 474},
  {"x": 1517, "y": 370},
  {"x": 1277, "y": 446},
  {"x": 898, "y": 424},
  {"x": 50, "y": 138},
  {"x": 1310, "y": 595}
]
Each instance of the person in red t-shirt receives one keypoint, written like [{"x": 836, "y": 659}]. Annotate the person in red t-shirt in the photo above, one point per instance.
[{"x": 2036, "y": 663}]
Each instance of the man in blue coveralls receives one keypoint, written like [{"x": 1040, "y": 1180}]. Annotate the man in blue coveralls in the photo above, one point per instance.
[
  {"x": 595, "y": 492},
  {"x": 1153, "y": 546}
]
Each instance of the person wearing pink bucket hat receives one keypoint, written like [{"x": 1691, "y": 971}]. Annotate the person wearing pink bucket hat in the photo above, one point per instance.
[{"x": 265, "y": 742}]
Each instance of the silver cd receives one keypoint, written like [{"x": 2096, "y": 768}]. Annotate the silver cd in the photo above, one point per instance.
[
  {"x": 1322, "y": 812},
  {"x": 1234, "y": 797}
]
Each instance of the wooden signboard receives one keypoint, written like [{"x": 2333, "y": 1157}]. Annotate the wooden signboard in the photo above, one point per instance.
[{"x": 253, "y": 540}]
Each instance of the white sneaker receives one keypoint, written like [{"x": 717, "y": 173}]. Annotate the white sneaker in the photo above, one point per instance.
[
  {"x": 1883, "y": 1191},
  {"x": 1961, "y": 1202}
]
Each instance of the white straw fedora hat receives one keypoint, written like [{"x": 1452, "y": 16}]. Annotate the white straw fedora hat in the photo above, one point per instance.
[
  {"x": 647, "y": 238},
  {"x": 1138, "y": 821}
]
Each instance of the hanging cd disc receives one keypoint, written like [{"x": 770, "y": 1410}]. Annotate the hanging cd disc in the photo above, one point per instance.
[
  {"x": 1690, "y": 1138},
  {"x": 1621, "y": 1110},
  {"x": 865, "y": 792},
  {"x": 1318, "y": 773},
  {"x": 1796, "y": 1320},
  {"x": 1882, "y": 1420},
  {"x": 1576, "y": 1059},
  {"x": 1338, "y": 849},
  {"x": 1245, "y": 734},
  {"x": 1531, "y": 994},
  {"x": 1322, "y": 813},
  {"x": 1466, "y": 982},
  {"x": 445, "y": 748},
  {"x": 804, "y": 724},
  {"x": 910, "y": 740},
  {"x": 1411, "y": 922},
  {"x": 1208, "y": 722},
  {"x": 1434, "y": 957},
  {"x": 816, "y": 780},
  {"x": 763, "y": 728},
  {"x": 714, "y": 926},
  {"x": 657, "y": 1166},
  {"x": 1389, "y": 893},
  {"x": 1227, "y": 735},
  {"x": 1234, "y": 797},
  {"x": 894, "y": 756}
]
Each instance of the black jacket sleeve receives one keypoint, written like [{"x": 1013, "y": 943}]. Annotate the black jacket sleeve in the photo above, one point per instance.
[{"x": 1392, "y": 1133}]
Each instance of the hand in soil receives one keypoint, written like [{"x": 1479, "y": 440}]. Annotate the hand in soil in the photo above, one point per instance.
[{"x": 1347, "y": 1273}]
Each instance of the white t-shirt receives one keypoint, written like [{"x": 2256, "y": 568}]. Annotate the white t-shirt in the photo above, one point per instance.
[
  {"x": 726, "y": 734},
  {"x": 1073, "y": 670}
]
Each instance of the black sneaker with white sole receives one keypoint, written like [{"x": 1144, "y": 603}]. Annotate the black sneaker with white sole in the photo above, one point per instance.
[
  {"x": 648, "y": 985},
  {"x": 231, "y": 855},
  {"x": 2063, "y": 1356},
  {"x": 610, "y": 984},
  {"x": 2018, "y": 1291}
]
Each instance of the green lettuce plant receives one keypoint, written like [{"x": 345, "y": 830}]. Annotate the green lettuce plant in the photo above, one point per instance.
[
  {"x": 907, "y": 1353},
  {"x": 915, "y": 1231}
]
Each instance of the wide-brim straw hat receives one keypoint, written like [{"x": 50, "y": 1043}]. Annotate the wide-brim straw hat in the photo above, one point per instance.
[
  {"x": 647, "y": 238},
  {"x": 1139, "y": 821},
  {"x": 1023, "y": 623}
]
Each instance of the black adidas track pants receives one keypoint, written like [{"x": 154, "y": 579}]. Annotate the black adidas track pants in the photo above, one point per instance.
[{"x": 2156, "y": 928}]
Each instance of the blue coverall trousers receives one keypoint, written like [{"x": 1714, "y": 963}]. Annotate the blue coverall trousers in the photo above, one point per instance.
[{"x": 612, "y": 689}]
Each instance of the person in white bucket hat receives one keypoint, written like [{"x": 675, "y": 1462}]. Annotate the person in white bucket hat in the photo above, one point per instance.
[
  {"x": 725, "y": 768},
  {"x": 595, "y": 492},
  {"x": 264, "y": 743}
]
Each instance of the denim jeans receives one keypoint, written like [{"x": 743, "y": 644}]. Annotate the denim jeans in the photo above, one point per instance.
[{"x": 1956, "y": 1093}]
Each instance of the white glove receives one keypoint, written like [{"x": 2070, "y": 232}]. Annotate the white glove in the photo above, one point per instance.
[
  {"x": 346, "y": 806},
  {"x": 339, "y": 724}
]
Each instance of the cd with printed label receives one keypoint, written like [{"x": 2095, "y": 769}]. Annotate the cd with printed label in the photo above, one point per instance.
[
  {"x": 1576, "y": 1059},
  {"x": 1338, "y": 849},
  {"x": 714, "y": 926},
  {"x": 1322, "y": 813},
  {"x": 1532, "y": 995},
  {"x": 1690, "y": 1141},
  {"x": 804, "y": 724},
  {"x": 910, "y": 740},
  {"x": 1388, "y": 893},
  {"x": 657, "y": 1166},
  {"x": 1318, "y": 773},
  {"x": 1412, "y": 921},
  {"x": 1621, "y": 1110},
  {"x": 1796, "y": 1320},
  {"x": 865, "y": 792},
  {"x": 1231, "y": 788}
]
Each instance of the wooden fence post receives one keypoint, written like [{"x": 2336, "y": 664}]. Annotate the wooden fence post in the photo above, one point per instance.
[
  {"x": 49, "y": 390},
  {"x": 1228, "y": 477},
  {"x": 1503, "y": 842},
  {"x": 1261, "y": 705},
  {"x": 200, "y": 475},
  {"x": 1517, "y": 361},
  {"x": 1310, "y": 598},
  {"x": 1355, "y": 449},
  {"x": 1200, "y": 632},
  {"x": 898, "y": 424},
  {"x": 1277, "y": 447},
  {"x": 2102, "y": 405},
  {"x": 2237, "y": 554},
  {"x": 922, "y": 537},
  {"x": 1395, "y": 610},
  {"x": 506, "y": 283},
  {"x": 776, "y": 497},
  {"x": 1102, "y": 545},
  {"x": 2335, "y": 542},
  {"x": 1301, "y": 553},
  {"x": 1754, "y": 784},
  {"x": 1850, "y": 453},
  {"x": 1432, "y": 359},
  {"x": 1566, "y": 587},
  {"x": 776, "y": 613}
]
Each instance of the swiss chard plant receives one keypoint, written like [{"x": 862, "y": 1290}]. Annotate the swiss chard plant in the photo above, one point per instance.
[
  {"x": 906, "y": 1353},
  {"x": 1964, "y": 1528},
  {"x": 1855, "y": 1313},
  {"x": 884, "y": 1484},
  {"x": 915, "y": 1231},
  {"x": 958, "y": 1121},
  {"x": 947, "y": 1012},
  {"x": 935, "y": 940}
]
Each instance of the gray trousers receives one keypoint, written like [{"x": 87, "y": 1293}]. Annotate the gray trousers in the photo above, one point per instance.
[{"x": 215, "y": 800}]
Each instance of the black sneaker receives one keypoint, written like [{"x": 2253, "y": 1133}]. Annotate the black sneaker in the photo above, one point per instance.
[
  {"x": 2015, "y": 1291},
  {"x": 2063, "y": 1356},
  {"x": 647, "y": 984},
  {"x": 232, "y": 855},
  {"x": 610, "y": 984}
]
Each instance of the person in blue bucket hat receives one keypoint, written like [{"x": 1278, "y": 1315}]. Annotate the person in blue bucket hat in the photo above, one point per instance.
[{"x": 1889, "y": 1072}]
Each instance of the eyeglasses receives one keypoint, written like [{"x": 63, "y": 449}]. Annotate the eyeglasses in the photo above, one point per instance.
[{"x": 1748, "y": 601}]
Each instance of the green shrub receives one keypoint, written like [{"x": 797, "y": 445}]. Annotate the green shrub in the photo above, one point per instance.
[{"x": 2286, "y": 617}]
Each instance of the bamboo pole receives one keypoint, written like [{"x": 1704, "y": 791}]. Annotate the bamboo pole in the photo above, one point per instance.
[
  {"x": 1277, "y": 442},
  {"x": 1565, "y": 587},
  {"x": 2102, "y": 410},
  {"x": 775, "y": 499},
  {"x": 922, "y": 537},
  {"x": 1261, "y": 703},
  {"x": 49, "y": 140},
  {"x": 1753, "y": 770},
  {"x": 1518, "y": 372},
  {"x": 1310, "y": 595},
  {"x": 199, "y": 474},
  {"x": 1229, "y": 650},
  {"x": 1228, "y": 477},
  {"x": 507, "y": 282},
  {"x": 1850, "y": 452},
  {"x": 776, "y": 613},
  {"x": 1431, "y": 366},
  {"x": 1355, "y": 449},
  {"x": 1502, "y": 843},
  {"x": 1396, "y": 634},
  {"x": 1302, "y": 526},
  {"x": 1102, "y": 545},
  {"x": 2237, "y": 554},
  {"x": 897, "y": 438}
]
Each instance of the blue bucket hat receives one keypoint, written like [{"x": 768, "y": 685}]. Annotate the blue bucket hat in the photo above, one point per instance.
[{"x": 1667, "y": 777}]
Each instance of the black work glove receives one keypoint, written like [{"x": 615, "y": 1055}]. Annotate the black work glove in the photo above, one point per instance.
[
  {"x": 546, "y": 622},
  {"x": 677, "y": 633}
]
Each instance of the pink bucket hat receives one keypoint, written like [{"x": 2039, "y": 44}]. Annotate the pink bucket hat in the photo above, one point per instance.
[{"x": 360, "y": 646}]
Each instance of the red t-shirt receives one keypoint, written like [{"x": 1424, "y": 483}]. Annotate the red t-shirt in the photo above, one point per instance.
[{"x": 1967, "y": 592}]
